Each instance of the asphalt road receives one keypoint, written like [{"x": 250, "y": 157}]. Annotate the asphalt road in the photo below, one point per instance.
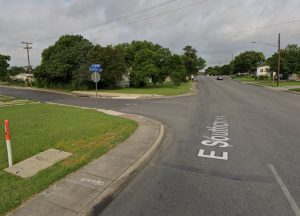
[{"x": 251, "y": 168}]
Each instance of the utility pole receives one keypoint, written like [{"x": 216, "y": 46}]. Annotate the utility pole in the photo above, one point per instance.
[
  {"x": 27, "y": 47},
  {"x": 278, "y": 59}
]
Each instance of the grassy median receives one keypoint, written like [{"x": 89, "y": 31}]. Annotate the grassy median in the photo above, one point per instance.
[
  {"x": 87, "y": 134},
  {"x": 166, "y": 89}
]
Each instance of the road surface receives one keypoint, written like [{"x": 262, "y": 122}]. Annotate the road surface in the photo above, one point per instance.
[{"x": 233, "y": 149}]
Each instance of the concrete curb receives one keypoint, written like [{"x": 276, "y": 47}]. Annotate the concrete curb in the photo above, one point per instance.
[
  {"x": 99, "y": 202},
  {"x": 193, "y": 91},
  {"x": 115, "y": 188}
]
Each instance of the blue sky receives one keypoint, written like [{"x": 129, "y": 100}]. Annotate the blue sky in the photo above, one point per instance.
[{"x": 216, "y": 28}]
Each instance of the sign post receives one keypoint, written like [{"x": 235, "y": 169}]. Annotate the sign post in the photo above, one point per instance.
[
  {"x": 8, "y": 144},
  {"x": 96, "y": 69}
]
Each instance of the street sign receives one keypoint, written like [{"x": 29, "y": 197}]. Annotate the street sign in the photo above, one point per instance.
[
  {"x": 95, "y": 77},
  {"x": 95, "y": 68}
]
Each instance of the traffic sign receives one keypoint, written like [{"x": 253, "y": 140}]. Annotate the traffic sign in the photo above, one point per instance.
[
  {"x": 95, "y": 68},
  {"x": 95, "y": 77}
]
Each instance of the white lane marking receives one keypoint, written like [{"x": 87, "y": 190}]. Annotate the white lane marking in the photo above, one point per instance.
[
  {"x": 219, "y": 138},
  {"x": 285, "y": 190},
  {"x": 212, "y": 155}
]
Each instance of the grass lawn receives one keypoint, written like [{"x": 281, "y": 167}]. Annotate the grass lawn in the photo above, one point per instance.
[
  {"x": 245, "y": 79},
  {"x": 268, "y": 82},
  {"x": 34, "y": 128},
  {"x": 295, "y": 89},
  {"x": 165, "y": 89}
]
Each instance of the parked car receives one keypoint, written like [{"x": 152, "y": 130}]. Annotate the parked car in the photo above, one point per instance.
[{"x": 219, "y": 78}]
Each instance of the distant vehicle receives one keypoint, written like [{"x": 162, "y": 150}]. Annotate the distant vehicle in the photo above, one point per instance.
[{"x": 219, "y": 78}]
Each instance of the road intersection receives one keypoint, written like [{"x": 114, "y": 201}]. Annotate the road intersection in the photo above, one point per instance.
[{"x": 260, "y": 133}]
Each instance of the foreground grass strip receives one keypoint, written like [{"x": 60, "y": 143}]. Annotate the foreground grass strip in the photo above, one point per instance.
[
  {"x": 295, "y": 89},
  {"x": 165, "y": 89},
  {"x": 87, "y": 134}
]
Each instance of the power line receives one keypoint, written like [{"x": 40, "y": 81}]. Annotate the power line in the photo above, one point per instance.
[
  {"x": 125, "y": 16},
  {"x": 119, "y": 18},
  {"x": 151, "y": 17},
  {"x": 244, "y": 30}
]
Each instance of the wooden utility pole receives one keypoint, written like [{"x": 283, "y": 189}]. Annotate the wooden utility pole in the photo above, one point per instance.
[
  {"x": 27, "y": 47},
  {"x": 278, "y": 59}
]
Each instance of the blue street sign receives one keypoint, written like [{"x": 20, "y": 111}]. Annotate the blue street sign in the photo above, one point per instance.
[{"x": 96, "y": 68}]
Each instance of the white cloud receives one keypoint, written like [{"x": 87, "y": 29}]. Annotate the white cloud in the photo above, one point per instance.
[{"x": 216, "y": 28}]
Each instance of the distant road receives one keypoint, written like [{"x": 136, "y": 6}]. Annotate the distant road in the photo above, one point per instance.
[{"x": 233, "y": 149}]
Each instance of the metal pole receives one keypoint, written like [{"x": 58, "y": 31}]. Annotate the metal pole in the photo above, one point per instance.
[
  {"x": 278, "y": 59},
  {"x": 28, "y": 59}
]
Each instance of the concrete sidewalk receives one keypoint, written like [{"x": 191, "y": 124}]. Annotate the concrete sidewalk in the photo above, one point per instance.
[{"x": 96, "y": 184}]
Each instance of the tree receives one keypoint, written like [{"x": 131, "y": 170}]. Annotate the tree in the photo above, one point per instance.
[
  {"x": 289, "y": 60},
  {"x": 225, "y": 69},
  {"x": 191, "y": 62},
  {"x": 15, "y": 70},
  {"x": 246, "y": 61},
  {"x": 147, "y": 62},
  {"x": 144, "y": 68},
  {"x": 113, "y": 62},
  {"x": 4, "y": 66},
  {"x": 213, "y": 71},
  {"x": 61, "y": 61},
  {"x": 176, "y": 69}
]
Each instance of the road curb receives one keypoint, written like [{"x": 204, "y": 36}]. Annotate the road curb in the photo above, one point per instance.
[
  {"x": 108, "y": 195},
  {"x": 193, "y": 91},
  {"x": 99, "y": 202}
]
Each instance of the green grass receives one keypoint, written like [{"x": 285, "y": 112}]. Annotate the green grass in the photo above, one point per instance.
[
  {"x": 5, "y": 99},
  {"x": 295, "y": 89},
  {"x": 165, "y": 89},
  {"x": 268, "y": 82},
  {"x": 87, "y": 134},
  {"x": 245, "y": 79}
]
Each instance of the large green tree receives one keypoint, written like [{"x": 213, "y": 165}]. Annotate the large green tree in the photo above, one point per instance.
[
  {"x": 112, "y": 61},
  {"x": 147, "y": 62},
  {"x": 246, "y": 61},
  {"x": 4, "y": 66},
  {"x": 176, "y": 69},
  {"x": 289, "y": 60},
  {"x": 61, "y": 61},
  {"x": 191, "y": 61},
  {"x": 15, "y": 70}
]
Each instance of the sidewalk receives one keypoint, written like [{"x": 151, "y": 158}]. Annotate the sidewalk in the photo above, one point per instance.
[
  {"x": 281, "y": 88},
  {"x": 96, "y": 184}
]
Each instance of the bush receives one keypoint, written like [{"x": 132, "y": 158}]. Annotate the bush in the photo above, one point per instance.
[{"x": 264, "y": 77}]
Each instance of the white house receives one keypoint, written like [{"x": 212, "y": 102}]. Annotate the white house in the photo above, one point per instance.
[
  {"x": 23, "y": 76},
  {"x": 262, "y": 71}
]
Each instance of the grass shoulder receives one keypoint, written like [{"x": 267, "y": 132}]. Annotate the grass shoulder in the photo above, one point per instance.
[
  {"x": 268, "y": 82},
  {"x": 87, "y": 134},
  {"x": 295, "y": 89},
  {"x": 166, "y": 89}
]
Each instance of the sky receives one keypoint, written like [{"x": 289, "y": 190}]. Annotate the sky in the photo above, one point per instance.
[{"x": 217, "y": 29}]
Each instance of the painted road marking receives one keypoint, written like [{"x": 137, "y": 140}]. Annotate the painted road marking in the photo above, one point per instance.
[
  {"x": 92, "y": 181},
  {"x": 212, "y": 154},
  {"x": 285, "y": 190},
  {"x": 219, "y": 137}
]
